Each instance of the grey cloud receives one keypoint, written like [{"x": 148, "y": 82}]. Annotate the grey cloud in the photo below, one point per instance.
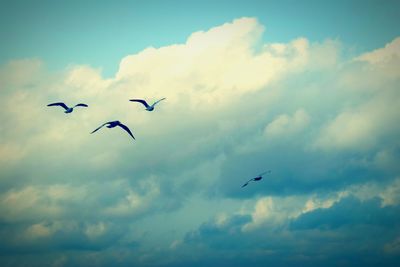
[
  {"x": 349, "y": 211},
  {"x": 350, "y": 233}
]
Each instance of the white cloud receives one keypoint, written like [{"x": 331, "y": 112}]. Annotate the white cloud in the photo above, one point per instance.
[
  {"x": 212, "y": 66},
  {"x": 287, "y": 125},
  {"x": 391, "y": 194},
  {"x": 315, "y": 202},
  {"x": 204, "y": 78},
  {"x": 38, "y": 230},
  {"x": 24, "y": 203},
  {"x": 133, "y": 203},
  {"x": 275, "y": 212},
  {"x": 390, "y": 52},
  {"x": 348, "y": 130},
  {"x": 85, "y": 82},
  {"x": 33, "y": 202},
  {"x": 10, "y": 152},
  {"x": 95, "y": 230},
  {"x": 363, "y": 127},
  {"x": 262, "y": 211},
  {"x": 371, "y": 98},
  {"x": 25, "y": 73}
]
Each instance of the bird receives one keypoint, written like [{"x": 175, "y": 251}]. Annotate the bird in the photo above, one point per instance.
[
  {"x": 258, "y": 178},
  {"x": 67, "y": 109},
  {"x": 112, "y": 124},
  {"x": 148, "y": 107}
]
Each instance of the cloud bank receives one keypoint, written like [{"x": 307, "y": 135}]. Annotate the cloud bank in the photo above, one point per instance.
[{"x": 325, "y": 124}]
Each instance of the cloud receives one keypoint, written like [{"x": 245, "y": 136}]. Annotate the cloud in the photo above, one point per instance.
[
  {"x": 213, "y": 66},
  {"x": 134, "y": 202},
  {"x": 37, "y": 231},
  {"x": 309, "y": 237},
  {"x": 361, "y": 128},
  {"x": 325, "y": 124},
  {"x": 24, "y": 73},
  {"x": 285, "y": 124},
  {"x": 391, "y": 52},
  {"x": 348, "y": 211},
  {"x": 365, "y": 124},
  {"x": 26, "y": 203}
]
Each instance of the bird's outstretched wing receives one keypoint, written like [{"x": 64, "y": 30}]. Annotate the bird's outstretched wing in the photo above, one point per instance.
[
  {"x": 99, "y": 127},
  {"x": 61, "y": 104},
  {"x": 258, "y": 178},
  {"x": 252, "y": 179},
  {"x": 81, "y": 105},
  {"x": 140, "y": 101},
  {"x": 269, "y": 171},
  {"x": 158, "y": 101},
  {"x": 126, "y": 129}
]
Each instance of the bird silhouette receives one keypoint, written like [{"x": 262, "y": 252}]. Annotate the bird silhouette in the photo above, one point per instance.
[
  {"x": 258, "y": 178},
  {"x": 148, "y": 107},
  {"x": 67, "y": 109},
  {"x": 112, "y": 124}
]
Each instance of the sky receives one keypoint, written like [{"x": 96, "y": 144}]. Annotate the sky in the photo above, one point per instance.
[{"x": 306, "y": 89}]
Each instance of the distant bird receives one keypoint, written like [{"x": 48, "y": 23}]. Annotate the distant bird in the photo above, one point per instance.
[
  {"x": 148, "y": 107},
  {"x": 67, "y": 109},
  {"x": 112, "y": 124},
  {"x": 258, "y": 178}
]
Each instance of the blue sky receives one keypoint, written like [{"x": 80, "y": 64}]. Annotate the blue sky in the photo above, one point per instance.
[
  {"x": 307, "y": 89},
  {"x": 101, "y": 33}
]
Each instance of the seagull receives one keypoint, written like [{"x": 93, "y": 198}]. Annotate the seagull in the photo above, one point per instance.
[
  {"x": 112, "y": 124},
  {"x": 67, "y": 109},
  {"x": 148, "y": 107},
  {"x": 258, "y": 178}
]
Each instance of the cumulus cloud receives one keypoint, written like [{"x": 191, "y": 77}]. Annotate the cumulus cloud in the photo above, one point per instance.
[
  {"x": 367, "y": 123},
  {"x": 364, "y": 127},
  {"x": 286, "y": 125},
  {"x": 272, "y": 231},
  {"x": 213, "y": 66},
  {"x": 324, "y": 124},
  {"x": 390, "y": 52},
  {"x": 134, "y": 202}
]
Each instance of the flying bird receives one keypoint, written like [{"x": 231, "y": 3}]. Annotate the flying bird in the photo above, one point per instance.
[
  {"x": 67, "y": 109},
  {"x": 148, "y": 107},
  {"x": 112, "y": 124},
  {"x": 258, "y": 178}
]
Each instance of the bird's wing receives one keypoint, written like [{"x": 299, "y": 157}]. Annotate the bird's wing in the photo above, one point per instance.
[
  {"x": 126, "y": 129},
  {"x": 81, "y": 105},
  {"x": 252, "y": 179},
  {"x": 264, "y": 172},
  {"x": 158, "y": 101},
  {"x": 140, "y": 101},
  {"x": 99, "y": 127},
  {"x": 58, "y": 104}
]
